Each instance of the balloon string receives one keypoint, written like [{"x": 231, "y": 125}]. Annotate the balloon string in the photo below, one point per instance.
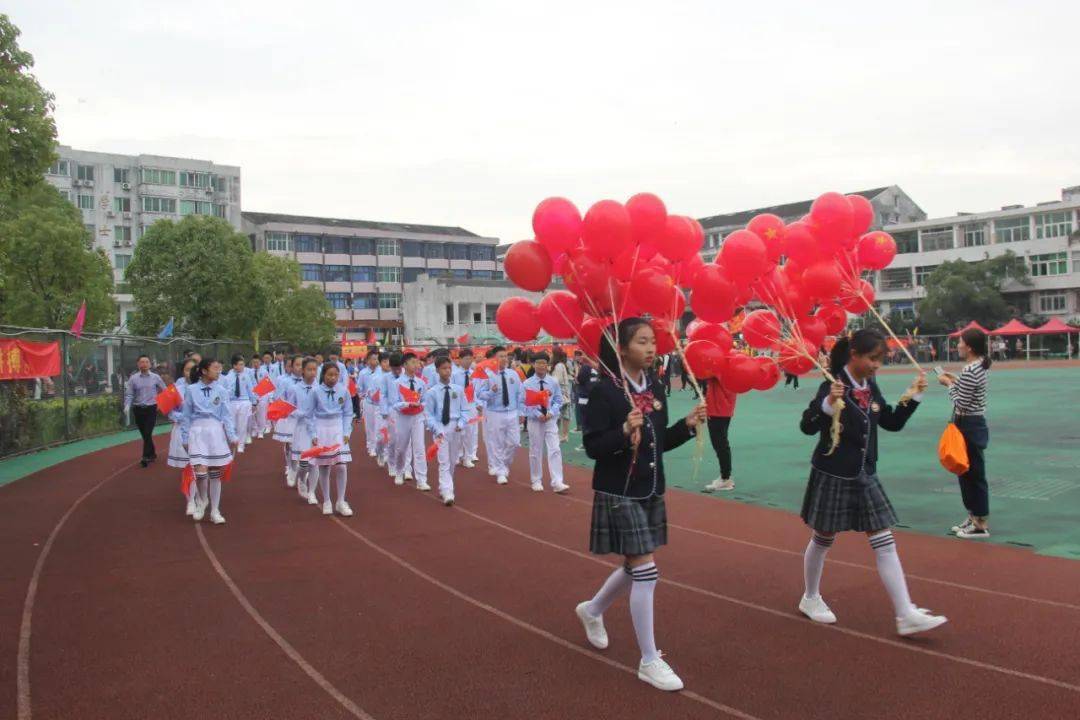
[{"x": 856, "y": 286}]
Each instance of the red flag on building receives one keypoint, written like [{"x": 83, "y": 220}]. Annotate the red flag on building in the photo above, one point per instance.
[
  {"x": 80, "y": 320},
  {"x": 265, "y": 387},
  {"x": 463, "y": 339},
  {"x": 344, "y": 334},
  {"x": 168, "y": 400},
  {"x": 371, "y": 339}
]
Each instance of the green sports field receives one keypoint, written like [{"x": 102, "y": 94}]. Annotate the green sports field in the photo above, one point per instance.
[{"x": 1033, "y": 460}]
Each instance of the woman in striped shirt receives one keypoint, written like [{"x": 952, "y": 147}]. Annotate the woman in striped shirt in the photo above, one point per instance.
[{"x": 968, "y": 395}]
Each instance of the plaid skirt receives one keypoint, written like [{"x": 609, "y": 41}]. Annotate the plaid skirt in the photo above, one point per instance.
[
  {"x": 624, "y": 526},
  {"x": 833, "y": 504}
]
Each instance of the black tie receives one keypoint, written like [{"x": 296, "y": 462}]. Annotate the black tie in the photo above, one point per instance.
[
  {"x": 206, "y": 391},
  {"x": 238, "y": 385},
  {"x": 330, "y": 394},
  {"x": 506, "y": 390},
  {"x": 412, "y": 386},
  {"x": 543, "y": 407},
  {"x": 446, "y": 406}
]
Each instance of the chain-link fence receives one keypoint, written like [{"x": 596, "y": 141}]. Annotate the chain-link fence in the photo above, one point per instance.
[{"x": 86, "y": 399}]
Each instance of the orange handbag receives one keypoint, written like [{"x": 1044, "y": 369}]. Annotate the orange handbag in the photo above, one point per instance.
[{"x": 952, "y": 450}]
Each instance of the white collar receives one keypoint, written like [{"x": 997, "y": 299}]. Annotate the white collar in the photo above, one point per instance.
[
  {"x": 636, "y": 387},
  {"x": 865, "y": 383}
]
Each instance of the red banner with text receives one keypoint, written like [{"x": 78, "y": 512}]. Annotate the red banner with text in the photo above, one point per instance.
[{"x": 23, "y": 360}]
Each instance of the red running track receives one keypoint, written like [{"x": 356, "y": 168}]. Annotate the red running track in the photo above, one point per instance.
[{"x": 413, "y": 610}]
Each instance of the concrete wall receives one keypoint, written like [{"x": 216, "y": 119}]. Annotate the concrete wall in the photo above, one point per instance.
[{"x": 425, "y": 301}]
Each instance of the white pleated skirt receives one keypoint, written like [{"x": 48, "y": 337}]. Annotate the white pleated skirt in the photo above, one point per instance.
[
  {"x": 207, "y": 444},
  {"x": 178, "y": 456},
  {"x": 301, "y": 440},
  {"x": 284, "y": 429},
  {"x": 328, "y": 432}
]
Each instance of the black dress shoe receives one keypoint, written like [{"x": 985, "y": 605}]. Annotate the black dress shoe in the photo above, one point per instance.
[{"x": 144, "y": 462}]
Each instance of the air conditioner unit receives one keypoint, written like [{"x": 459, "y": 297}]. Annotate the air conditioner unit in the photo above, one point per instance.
[
  {"x": 76, "y": 183},
  {"x": 116, "y": 243},
  {"x": 88, "y": 183},
  {"x": 126, "y": 186},
  {"x": 127, "y": 216},
  {"x": 127, "y": 243},
  {"x": 209, "y": 191},
  {"x": 110, "y": 213}
]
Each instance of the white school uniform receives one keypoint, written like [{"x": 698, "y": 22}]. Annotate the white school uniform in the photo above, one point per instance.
[
  {"x": 544, "y": 432},
  {"x": 178, "y": 456},
  {"x": 502, "y": 430},
  {"x": 206, "y": 425},
  {"x": 450, "y": 434},
  {"x": 302, "y": 396},
  {"x": 241, "y": 393},
  {"x": 284, "y": 428},
  {"x": 331, "y": 423},
  {"x": 407, "y": 430},
  {"x": 471, "y": 434}
]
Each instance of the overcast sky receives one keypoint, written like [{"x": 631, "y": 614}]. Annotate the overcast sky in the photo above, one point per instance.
[{"x": 469, "y": 113}]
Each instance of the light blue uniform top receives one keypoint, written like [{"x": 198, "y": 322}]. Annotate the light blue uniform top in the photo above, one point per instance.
[
  {"x": 302, "y": 396},
  {"x": 552, "y": 386},
  {"x": 392, "y": 399},
  {"x": 246, "y": 387},
  {"x": 204, "y": 401},
  {"x": 490, "y": 392},
  {"x": 435, "y": 398},
  {"x": 176, "y": 414},
  {"x": 331, "y": 403}
]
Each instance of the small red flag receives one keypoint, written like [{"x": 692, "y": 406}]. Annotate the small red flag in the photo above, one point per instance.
[
  {"x": 264, "y": 387},
  {"x": 169, "y": 399},
  {"x": 352, "y": 387},
  {"x": 433, "y": 450},
  {"x": 279, "y": 409},
  {"x": 375, "y": 396},
  {"x": 226, "y": 474},
  {"x": 409, "y": 396},
  {"x": 80, "y": 320},
  {"x": 318, "y": 450},
  {"x": 463, "y": 339},
  {"x": 385, "y": 432},
  {"x": 470, "y": 393},
  {"x": 186, "y": 478},
  {"x": 344, "y": 336},
  {"x": 474, "y": 420},
  {"x": 537, "y": 397}
]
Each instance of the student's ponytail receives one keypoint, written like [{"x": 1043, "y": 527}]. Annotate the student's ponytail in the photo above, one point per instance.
[
  {"x": 197, "y": 370},
  {"x": 861, "y": 342},
  {"x": 975, "y": 339}
]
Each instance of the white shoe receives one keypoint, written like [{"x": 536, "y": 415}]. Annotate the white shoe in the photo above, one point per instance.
[
  {"x": 240, "y": 449},
  {"x": 200, "y": 510},
  {"x": 301, "y": 489},
  {"x": 423, "y": 486},
  {"x": 312, "y": 498},
  {"x": 660, "y": 675},
  {"x": 918, "y": 621},
  {"x": 560, "y": 488},
  {"x": 398, "y": 480},
  {"x": 217, "y": 518},
  {"x": 537, "y": 487},
  {"x": 327, "y": 508},
  {"x": 720, "y": 484},
  {"x": 343, "y": 508},
  {"x": 594, "y": 626},
  {"x": 816, "y": 610},
  {"x": 372, "y": 453},
  {"x": 408, "y": 475},
  {"x": 966, "y": 524},
  {"x": 448, "y": 500},
  {"x": 190, "y": 507},
  {"x": 492, "y": 472},
  {"x": 474, "y": 460},
  {"x": 501, "y": 480},
  {"x": 973, "y": 532},
  {"x": 381, "y": 461},
  {"x": 468, "y": 463},
  {"x": 290, "y": 478}
]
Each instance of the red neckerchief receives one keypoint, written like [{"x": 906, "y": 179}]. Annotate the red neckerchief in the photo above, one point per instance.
[
  {"x": 644, "y": 401},
  {"x": 862, "y": 396}
]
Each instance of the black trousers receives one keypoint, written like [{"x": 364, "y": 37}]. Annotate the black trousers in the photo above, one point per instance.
[
  {"x": 718, "y": 431},
  {"x": 974, "y": 489},
  {"x": 356, "y": 405},
  {"x": 145, "y": 418},
  {"x": 791, "y": 379}
]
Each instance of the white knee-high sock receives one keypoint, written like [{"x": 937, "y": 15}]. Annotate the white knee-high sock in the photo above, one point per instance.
[
  {"x": 289, "y": 465},
  {"x": 892, "y": 574},
  {"x": 215, "y": 489},
  {"x": 814, "y": 563},
  {"x": 302, "y": 472},
  {"x": 341, "y": 477},
  {"x": 617, "y": 583},
  {"x": 324, "y": 482},
  {"x": 201, "y": 480},
  {"x": 641, "y": 608}
]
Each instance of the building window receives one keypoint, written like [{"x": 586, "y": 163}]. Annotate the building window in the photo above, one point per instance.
[
  {"x": 481, "y": 252},
  {"x": 412, "y": 248},
  {"x": 189, "y": 178},
  {"x": 499, "y": 275},
  {"x": 389, "y": 274},
  {"x": 364, "y": 273},
  {"x": 308, "y": 243},
  {"x": 120, "y": 175},
  {"x": 1049, "y": 303},
  {"x": 389, "y": 301},
  {"x": 60, "y": 167},
  {"x": 1049, "y": 264},
  {"x": 336, "y": 244},
  {"x": 337, "y": 273},
  {"x": 122, "y": 204},
  {"x": 158, "y": 204},
  {"x": 906, "y": 242},
  {"x": 974, "y": 236},
  {"x": 220, "y": 183},
  {"x": 449, "y": 313},
  {"x": 361, "y": 246},
  {"x": 937, "y": 239},
  {"x": 481, "y": 274},
  {"x": 923, "y": 272},
  {"x": 85, "y": 202},
  {"x": 489, "y": 313},
  {"x": 311, "y": 272},
  {"x": 386, "y": 246},
  {"x": 411, "y": 274},
  {"x": 338, "y": 300},
  {"x": 153, "y": 176},
  {"x": 458, "y": 251},
  {"x": 121, "y": 261},
  {"x": 1012, "y": 230},
  {"x": 435, "y": 251},
  {"x": 84, "y": 172},
  {"x": 895, "y": 278},
  {"x": 201, "y": 207},
  {"x": 1056, "y": 224},
  {"x": 364, "y": 301},
  {"x": 219, "y": 210},
  {"x": 278, "y": 241},
  {"x": 122, "y": 232},
  {"x": 460, "y": 274}
]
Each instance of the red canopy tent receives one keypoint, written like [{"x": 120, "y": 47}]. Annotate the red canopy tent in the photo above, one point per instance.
[
  {"x": 970, "y": 325},
  {"x": 1054, "y": 326},
  {"x": 1013, "y": 327}
]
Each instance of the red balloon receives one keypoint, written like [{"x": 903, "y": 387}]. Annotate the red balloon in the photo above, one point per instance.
[
  {"x": 797, "y": 359},
  {"x": 557, "y": 225},
  {"x": 713, "y": 332},
  {"x": 592, "y": 329},
  {"x": 713, "y": 295},
  {"x": 647, "y": 216},
  {"x": 518, "y": 319},
  {"x": 833, "y": 317},
  {"x": 528, "y": 265},
  {"x": 625, "y": 305},
  {"x": 834, "y": 217},
  {"x": 679, "y": 239},
  {"x": 626, "y": 265},
  {"x": 741, "y": 374},
  {"x": 799, "y": 243},
  {"x": 704, "y": 358},
  {"x": 606, "y": 230},
  {"x": 859, "y": 302},
  {"x": 813, "y": 330},
  {"x": 687, "y": 270},
  {"x": 876, "y": 250},
  {"x": 768, "y": 373},
  {"x": 743, "y": 256},
  {"x": 588, "y": 278},
  {"x": 761, "y": 329},
  {"x": 653, "y": 292},
  {"x": 862, "y": 214},
  {"x": 560, "y": 314},
  {"x": 822, "y": 280},
  {"x": 665, "y": 335},
  {"x": 770, "y": 228}
]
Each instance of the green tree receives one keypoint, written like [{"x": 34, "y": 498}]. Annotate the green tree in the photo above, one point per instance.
[
  {"x": 199, "y": 271},
  {"x": 49, "y": 266},
  {"x": 959, "y": 291},
  {"x": 27, "y": 128},
  {"x": 274, "y": 279},
  {"x": 303, "y": 318}
]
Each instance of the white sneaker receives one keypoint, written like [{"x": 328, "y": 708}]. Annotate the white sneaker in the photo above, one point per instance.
[
  {"x": 962, "y": 526},
  {"x": 918, "y": 621},
  {"x": 468, "y": 463},
  {"x": 190, "y": 507},
  {"x": 720, "y": 484},
  {"x": 217, "y": 518},
  {"x": 240, "y": 449},
  {"x": 492, "y": 472},
  {"x": 560, "y": 488},
  {"x": 343, "y": 509},
  {"x": 408, "y": 475},
  {"x": 423, "y": 486},
  {"x": 290, "y": 478},
  {"x": 501, "y": 480},
  {"x": 200, "y": 510},
  {"x": 595, "y": 632},
  {"x": 312, "y": 498},
  {"x": 327, "y": 508},
  {"x": 398, "y": 480},
  {"x": 448, "y": 500},
  {"x": 372, "y": 453},
  {"x": 474, "y": 459},
  {"x": 537, "y": 487},
  {"x": 972, "y": 532},
  {"x": 816, "y": 610},
  {"x": 381, "y": 462},
  {"x": 660, "y": 675}
]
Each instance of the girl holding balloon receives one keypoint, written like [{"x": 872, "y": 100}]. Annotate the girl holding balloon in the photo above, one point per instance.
[{"x": 627, "y": 433}]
